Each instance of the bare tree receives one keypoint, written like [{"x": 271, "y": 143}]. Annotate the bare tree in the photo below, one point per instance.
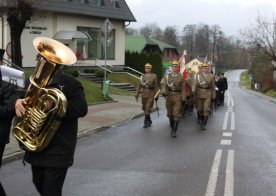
[
  {"x": 151, "y": 30},
  {"x": 188, "y": 39},
  {"x": 131, "y": 31},
  {"x": 170, "y": 36},
  {"x": 202, "y": 40},
  {"x": 18, "y": 12},
  {"x": 263, "y": 36}
]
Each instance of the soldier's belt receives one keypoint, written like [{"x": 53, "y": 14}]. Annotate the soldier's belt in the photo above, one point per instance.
[
  {"x": 204, "y": 87},
  {"x": 151, "y": 88},
  {"x": 175, "y": 90}
]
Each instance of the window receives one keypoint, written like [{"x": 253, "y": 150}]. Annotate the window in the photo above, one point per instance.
[
  {"x": 115, "y": 3},
  {"x": 85, "y": 1},
  {"x": 100, "y": 2},
  {"x": 95, "y": 48}
]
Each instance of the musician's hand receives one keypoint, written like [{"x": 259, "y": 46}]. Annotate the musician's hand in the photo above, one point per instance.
[
  {"x": 20, "y": 108},
  {"x": 49, "y": 104}
]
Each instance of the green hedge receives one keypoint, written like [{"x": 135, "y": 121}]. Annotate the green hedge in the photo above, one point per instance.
[{"x": 137, "y": 61}]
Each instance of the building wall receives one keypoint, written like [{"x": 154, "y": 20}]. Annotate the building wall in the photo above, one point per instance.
[
  {"x": 47, "y": 24},
  {"x": 193, "y": 65}
]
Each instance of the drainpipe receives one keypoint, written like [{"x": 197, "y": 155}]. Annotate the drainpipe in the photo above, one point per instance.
[{"x": 2, "y": 22}]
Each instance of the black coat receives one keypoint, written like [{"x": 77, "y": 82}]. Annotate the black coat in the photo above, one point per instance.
[
  {"x": 60, "y": 151},
  {"x": 6, "y": 112}
]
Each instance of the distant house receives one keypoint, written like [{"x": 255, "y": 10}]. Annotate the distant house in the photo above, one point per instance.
[
  {"x": 193, "y": 64},
  {"x": 79, "y": 25},
  {"x": 143, "y": 44}
]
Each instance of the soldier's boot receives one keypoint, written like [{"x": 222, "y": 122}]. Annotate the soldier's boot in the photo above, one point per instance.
[
  {"x": 171, "y": 123},
  {"x": 172, "y": 126},
  {"x": 183, "y": 111},
  {"x": 149, "y": 122},
  {"x": 198, "y": 120},
  {"x": 205, "y": 119},
  {"x": 175, "y": 129},
  {"x": 145, "y": 121}
]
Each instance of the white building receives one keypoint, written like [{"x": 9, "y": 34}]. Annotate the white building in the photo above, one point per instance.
[{"x": 74, "y": 22}]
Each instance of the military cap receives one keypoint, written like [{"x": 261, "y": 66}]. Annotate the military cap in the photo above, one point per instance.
[
  {"x": 148, "y": 65},
  {"x": 2, "y": 52},
  {"x": 175, "y": 63}
]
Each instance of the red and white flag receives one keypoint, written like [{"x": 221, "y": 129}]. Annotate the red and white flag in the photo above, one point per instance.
[
  {"x": 77, "y": 53},
  {"x": 83, "y": 55}
]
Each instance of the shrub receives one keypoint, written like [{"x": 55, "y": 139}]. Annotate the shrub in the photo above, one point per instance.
[
  {"x": 72, "y": 72},
  {"x": 99, "y": 73}
]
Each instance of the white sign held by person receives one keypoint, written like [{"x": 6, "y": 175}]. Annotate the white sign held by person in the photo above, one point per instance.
[{"x": 13, "y": 76}]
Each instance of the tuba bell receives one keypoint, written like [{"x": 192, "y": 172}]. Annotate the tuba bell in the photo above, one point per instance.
[{"x": 37, "y": 127}]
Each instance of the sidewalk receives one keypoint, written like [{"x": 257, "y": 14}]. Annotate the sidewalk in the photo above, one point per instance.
[{"x": 99, "y": 117}]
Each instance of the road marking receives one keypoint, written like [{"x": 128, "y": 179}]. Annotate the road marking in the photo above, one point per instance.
[
  {"x": 225, "y": 121},
  {"x": 232, "y": 101},
  {"x": 212, "y": 183},
  {"x": 227, "y": 134},
  {"x": 233, "y": 121},
  {"x": 229, "y": 179},
  {"x": 225, "y": 142}
]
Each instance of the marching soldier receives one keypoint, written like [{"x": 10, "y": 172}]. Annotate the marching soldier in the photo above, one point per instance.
[
  {"x": 149, "y": 86},
  {"x": 204, "y": 91},
  {"x": 173, "y": 86}
]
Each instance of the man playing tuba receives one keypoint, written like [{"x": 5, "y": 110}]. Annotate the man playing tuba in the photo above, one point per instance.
[{"x": 50, "y": 164}]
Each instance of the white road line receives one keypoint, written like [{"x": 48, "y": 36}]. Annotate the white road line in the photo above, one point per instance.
[
  {"x": 225, "y": 142},
  {"x": 229, "y": 179},
  {"x": 228, "y": 101},
  {"x": 212, "y": 183},
  {"x": 232, "y": 101},
  {"x": 225, "y": 121},
  {"x": 227, "y": 134},
  {"x": 233, "y": 121}
]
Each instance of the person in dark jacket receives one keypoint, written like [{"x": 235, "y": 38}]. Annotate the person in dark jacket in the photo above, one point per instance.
[
  {"x": 49, "y": 166},
  {"x": 6, "y": 115}
]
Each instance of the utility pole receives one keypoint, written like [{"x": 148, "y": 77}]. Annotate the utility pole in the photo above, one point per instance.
[{"x": 106, "y": 41}]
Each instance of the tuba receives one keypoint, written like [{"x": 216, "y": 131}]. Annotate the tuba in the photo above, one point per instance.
[{"x": 37, "y": 127}]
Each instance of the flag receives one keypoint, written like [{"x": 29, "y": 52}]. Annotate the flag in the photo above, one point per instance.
[
  {"x": 185, "y": 74},
  {"x": 77, "y": 53},
  {"x": 182, "y": 61},
  {"x": 83, "y": 56}
]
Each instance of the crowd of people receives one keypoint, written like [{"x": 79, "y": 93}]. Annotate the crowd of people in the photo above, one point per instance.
[
  {"x": 184, "y": 93},
  {"x": 195, "y": 91}
]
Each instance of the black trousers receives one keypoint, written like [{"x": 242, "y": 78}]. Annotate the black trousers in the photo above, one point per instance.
[
  {"x": 49, "y": 181},
  {"x": 2, "y": 148},
  {"x": 2, "y": 191}
]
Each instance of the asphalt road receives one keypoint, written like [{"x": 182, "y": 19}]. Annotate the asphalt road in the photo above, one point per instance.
[{"x": 234, "y": 156}]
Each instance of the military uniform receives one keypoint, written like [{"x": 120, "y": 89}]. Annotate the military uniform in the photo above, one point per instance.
[
  {"x": 148, "y": 87},
  {"x": 173, "y": 86},
  {"x": 204, "y": 90}
]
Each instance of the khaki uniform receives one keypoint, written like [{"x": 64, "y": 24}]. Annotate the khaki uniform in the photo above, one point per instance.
[
  {"x": 204, "y": 88},
  {"x": 149, "y": 86},
  {"x": 173, "y": 86}
]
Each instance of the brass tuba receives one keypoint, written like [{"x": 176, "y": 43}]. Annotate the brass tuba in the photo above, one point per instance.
[{"x": 36, "y": 128}]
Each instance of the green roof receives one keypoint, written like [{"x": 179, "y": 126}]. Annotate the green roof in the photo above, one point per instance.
[{"x": 135, "y": 43}]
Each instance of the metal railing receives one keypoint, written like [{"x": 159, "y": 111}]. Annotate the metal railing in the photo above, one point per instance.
[
  {"x": 126, "y": 72},
  {"x": 10, "y": 64}
]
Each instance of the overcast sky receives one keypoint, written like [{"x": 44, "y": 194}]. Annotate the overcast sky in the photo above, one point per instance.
[{"x": 230, "y": 15}]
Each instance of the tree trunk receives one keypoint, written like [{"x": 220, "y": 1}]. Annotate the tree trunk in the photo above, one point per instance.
[{"x": 16, "y": 54}]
